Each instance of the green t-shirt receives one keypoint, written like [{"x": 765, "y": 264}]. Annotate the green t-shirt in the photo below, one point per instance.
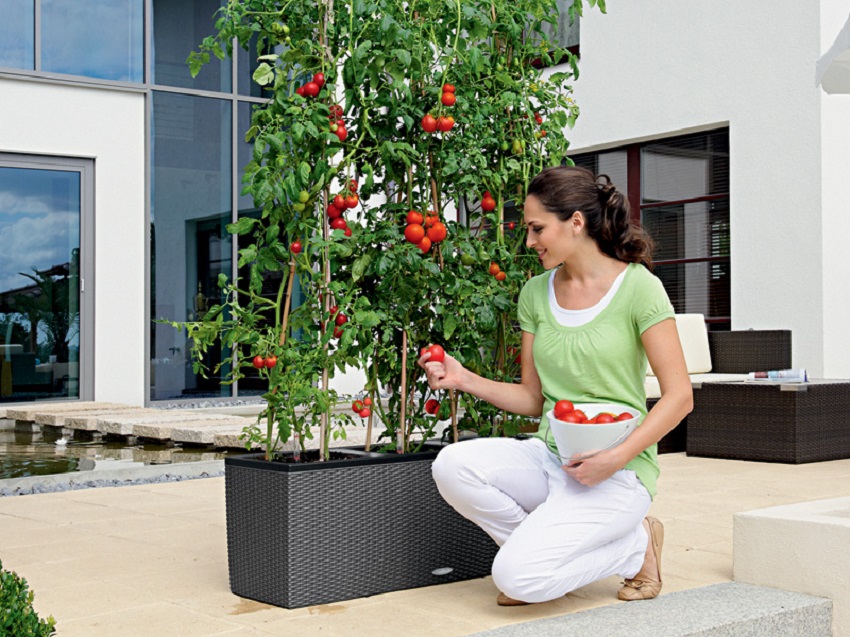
[{"x": 602, "y": 361}]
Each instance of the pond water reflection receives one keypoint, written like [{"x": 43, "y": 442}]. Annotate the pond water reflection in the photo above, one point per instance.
[{"x": 33, "y": 451}]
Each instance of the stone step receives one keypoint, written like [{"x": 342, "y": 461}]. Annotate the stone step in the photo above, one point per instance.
[
  {"x": 28, "y": 412},
  {"x": 722, "y": 610}
]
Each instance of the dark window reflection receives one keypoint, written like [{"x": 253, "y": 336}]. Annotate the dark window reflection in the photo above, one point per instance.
[
  {"x": 17, "y": 40},
  {"x": 97, "y": 38},
  {"x": 190, "y": 246},
  {"x": 178, "y": 28},
  {"x": 39, "y": 284}
]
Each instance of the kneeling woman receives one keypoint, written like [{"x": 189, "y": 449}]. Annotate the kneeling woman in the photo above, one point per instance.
[{"x": 589, "y": 324}]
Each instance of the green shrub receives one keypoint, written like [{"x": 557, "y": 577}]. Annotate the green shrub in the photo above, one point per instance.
[{"x": 17, "y": 617}]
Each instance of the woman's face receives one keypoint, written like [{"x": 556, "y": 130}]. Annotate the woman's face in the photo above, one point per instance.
[{"x": 553, "y": 240}]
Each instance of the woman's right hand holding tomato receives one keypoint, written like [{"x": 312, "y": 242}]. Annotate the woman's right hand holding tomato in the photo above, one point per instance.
[{"x": 447, "y": 374}]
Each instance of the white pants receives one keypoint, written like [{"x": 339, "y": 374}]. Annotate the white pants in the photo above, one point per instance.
[{"x": 555, "y": 534}]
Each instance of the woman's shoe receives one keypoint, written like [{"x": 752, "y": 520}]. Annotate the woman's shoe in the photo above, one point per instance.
[
  {"x": 504, "y": 600},
  {"x": 646, "y": 585}
]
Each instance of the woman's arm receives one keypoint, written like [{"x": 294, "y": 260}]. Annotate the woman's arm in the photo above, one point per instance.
[
  {"x": 664, "y": 351},
  {"x": 524, "y": 398}
]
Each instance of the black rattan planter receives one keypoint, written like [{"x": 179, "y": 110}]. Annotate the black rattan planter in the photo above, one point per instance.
[{"x": 314, "y": 533}]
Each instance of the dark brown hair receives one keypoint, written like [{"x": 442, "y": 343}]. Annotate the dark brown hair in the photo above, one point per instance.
[{"x": 564, "y": 190}]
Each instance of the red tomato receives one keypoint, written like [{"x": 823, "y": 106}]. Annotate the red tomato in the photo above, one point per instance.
[
  {"x": 580, "y": 414},
  {"x": 259, "y": 362},
  {"x": 431, "y": 219},
  {"x": 300, "y": 91},
  {"x": 495, "y": 269},
  {"x": 341, "y": 319},
  {"x": 352, "y": 200},
  {"x": 604, "y": 419},
  {"x": 448, "y": 88},
  {"x": 335, "y": 111},
  {"x": 333, "y": 309},
  {"x": 347, "y": 232},
  {"x": 415, "y": 217},
  {"x": 501, "y": 276},
  {"x": 571, "y": 417},
  {"x": 445, "y": 124},
  {"x": 424, "y": 245},
  {"x": 365, "y": 412},
  {"x": 334, "y": 211},
  {"x": 488, "y": 204},
  {"x": 271, "y": 361},
  {"x": 438, "y": 354},
  {"x": 367, "y": 401},
  {"x": 337, "y": 331},
  {"x": 311, "y": 89},
  {"x": 625, "y": 416},
  {"x": 357, "y": 406},
  {"x": 511, "y": 225},
  {"x": 414, "y": 233},
  {"x": 352, "y": 185},
  {"x": 562, "y": 408},
  {"x": 429, "y": 124},
  {"x": 295, "y": 247},
  {"x": 448, "y": 99},
  {"x": 319, "y": 79},
  {"x": 437, "y": 232},
  {"x": 341, "y": 133},
  {"x": 590, "y": 421},
  {"x": 486, "y": 194},
  {"x": 339, "y": 224},
  {"x": 339, "y": 202},
  {"x": 431, "y": 406}
]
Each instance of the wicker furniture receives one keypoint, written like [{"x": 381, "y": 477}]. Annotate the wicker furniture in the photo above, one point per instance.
[
  {"x": 771, "y": 422},
  {"x": 734, "y": 352}
]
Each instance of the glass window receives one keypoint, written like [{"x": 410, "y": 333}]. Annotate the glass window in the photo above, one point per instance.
[
  {"x": 178, "y": 28},
  {"x": 39, "y": 284},
  {"x": 74, "y": 40},
  {"x": 17, "y": 35},
  {"x": 190, "y": 247}
]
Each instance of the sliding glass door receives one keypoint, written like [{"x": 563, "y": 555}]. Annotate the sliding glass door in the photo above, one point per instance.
[{"x": 45, "y": 211}]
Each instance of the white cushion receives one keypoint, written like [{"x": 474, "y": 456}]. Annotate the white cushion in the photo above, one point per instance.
[{"x": 693, "y": 336}]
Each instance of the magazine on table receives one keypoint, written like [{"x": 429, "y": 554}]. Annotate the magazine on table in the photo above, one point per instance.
[{"x": 779, "y": 375}]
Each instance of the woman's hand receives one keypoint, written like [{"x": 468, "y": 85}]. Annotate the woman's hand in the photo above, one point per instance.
[
  {"x": 446, "y": 375},
  {"x": 591, "y": 471}
]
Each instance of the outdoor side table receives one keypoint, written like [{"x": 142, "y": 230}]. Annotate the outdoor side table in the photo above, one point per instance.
[{"x": 771, "y": 422}]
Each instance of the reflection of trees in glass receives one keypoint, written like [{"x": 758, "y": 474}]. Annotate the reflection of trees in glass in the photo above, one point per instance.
[{"x": 51, "y": 305}]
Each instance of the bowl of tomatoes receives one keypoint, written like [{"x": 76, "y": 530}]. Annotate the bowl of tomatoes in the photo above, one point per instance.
[{"x": 584, "y": 429}]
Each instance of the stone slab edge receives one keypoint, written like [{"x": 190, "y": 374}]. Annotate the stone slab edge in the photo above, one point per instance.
[
  {"x": 727, "y": 609},
  {"x": 111, "y": 477}
]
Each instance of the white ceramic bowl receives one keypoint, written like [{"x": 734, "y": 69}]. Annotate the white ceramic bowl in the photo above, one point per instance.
[{"x": 580, "y": 439}]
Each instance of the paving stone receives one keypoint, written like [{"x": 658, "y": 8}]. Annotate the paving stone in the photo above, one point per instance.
[
  {"x": 121, "y": 426},
  {"x": 203, "y": 433},
  {"x": 61, "y": 419},
  {"x": 28, "y": 412},
  {"x": 89, "y": 422}
]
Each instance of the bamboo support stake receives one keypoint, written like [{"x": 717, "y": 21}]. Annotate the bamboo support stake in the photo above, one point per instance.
[{"x": 400, "y": 435}]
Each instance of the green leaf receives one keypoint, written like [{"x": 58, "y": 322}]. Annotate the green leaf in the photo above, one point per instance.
[
  {"x": 360, "y": 264},
  {"x": 243, "y": 226},
  {"x": 304, "y": 173},
  {"x": 264, "y": 74},
  {"x": 403, "y": 56}
]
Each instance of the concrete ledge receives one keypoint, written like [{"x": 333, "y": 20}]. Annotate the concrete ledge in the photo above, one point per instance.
[
  {"x": 801, "y": 547},
  {"x": 722, "y": 610}
]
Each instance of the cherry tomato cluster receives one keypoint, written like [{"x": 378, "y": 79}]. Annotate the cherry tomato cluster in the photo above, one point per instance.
[
  {"x": 541, "y": 132},
  {"x": 337, "y": 124},
  {"x": 339, "y": 318},
  {"x": 268, "y": 362},
  {"x": 443, "y": 123},
  {"x": 496, "y": 271},
  {"x": 345, "y": 200},
  {"x": 423, "y": 232},
  {"x": 566, "y": 412},
  {"x": 362, "y": 407},
  {"x": 312, "y": 88}
]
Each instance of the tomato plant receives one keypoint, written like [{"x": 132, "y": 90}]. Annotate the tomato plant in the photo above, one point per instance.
[{"x": 355, "y": 94}]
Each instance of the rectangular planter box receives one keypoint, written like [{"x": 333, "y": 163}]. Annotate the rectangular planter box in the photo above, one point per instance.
[{"x": 314, "y": 533}]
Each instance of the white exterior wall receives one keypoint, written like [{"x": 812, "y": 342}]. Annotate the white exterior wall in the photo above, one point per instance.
[
  {"x": 656, "y": 68},
  {"x": 108, "y": 126}
]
